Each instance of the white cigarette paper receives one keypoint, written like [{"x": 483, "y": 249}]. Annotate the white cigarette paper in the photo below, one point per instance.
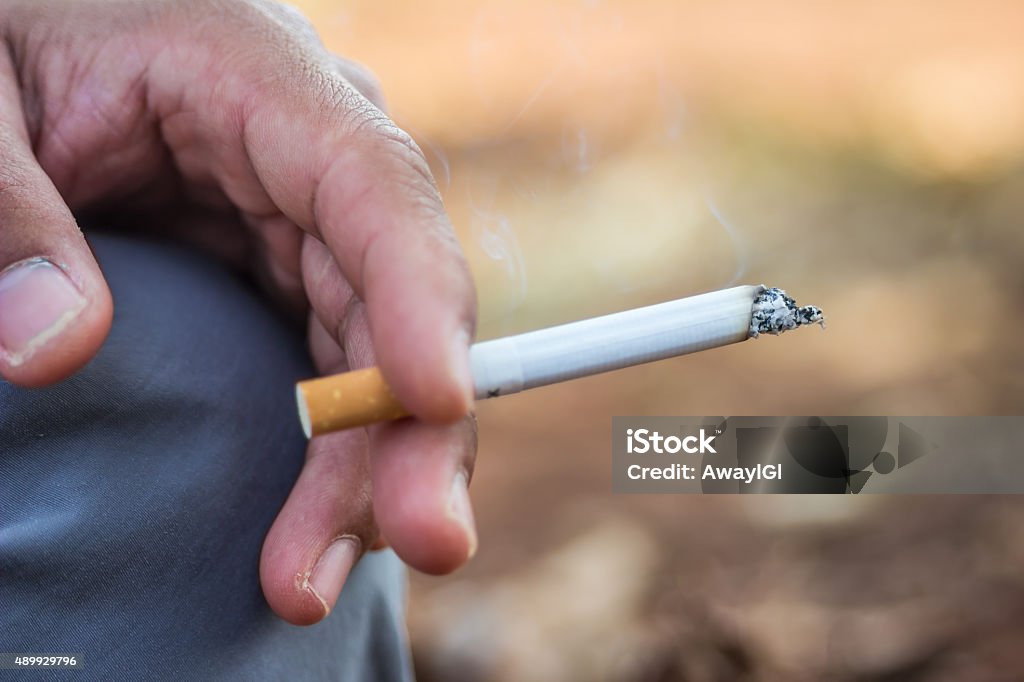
[
  {"x": 569, "y": 351},
  {"x": 632, "y": 337}
]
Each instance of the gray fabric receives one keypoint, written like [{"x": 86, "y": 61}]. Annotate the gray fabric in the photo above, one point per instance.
[{"x": 135, "y": 496}]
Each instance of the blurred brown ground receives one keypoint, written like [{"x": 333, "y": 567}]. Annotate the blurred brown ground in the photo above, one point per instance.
[{"x": 866, "y": 155}]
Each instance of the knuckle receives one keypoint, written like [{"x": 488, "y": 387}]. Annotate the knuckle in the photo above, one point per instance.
[
  {"x": 366, "y": 125},
  {"x": 400, "y": 146},
  {"x": 364, "y": 80},
  {"x": 339, "y": 99}
]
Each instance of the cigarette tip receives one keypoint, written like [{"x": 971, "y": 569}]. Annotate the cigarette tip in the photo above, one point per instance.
[{"x": 774, "y": 312}]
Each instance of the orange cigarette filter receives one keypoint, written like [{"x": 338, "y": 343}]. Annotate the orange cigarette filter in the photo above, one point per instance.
[{"x": 345, "y": 401}]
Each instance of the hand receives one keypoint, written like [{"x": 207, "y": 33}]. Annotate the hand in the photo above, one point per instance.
[{"x": 228, "y": 123}]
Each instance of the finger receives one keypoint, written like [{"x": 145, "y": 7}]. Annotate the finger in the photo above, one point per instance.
[
  {"x": 386, "y": 229},
  {"x": 327, "y": 521},
  {"x": 329, "y": 358},
  {"x": 55, "y": 308},
  {"x": 276, "y": 233},
  {"x": 321, "y": 531},
  {"x": 420, "y": 471},
  {"x": 421, "y": 475},
  {"x": 277, "y": 237},
  {"x": 337, "y": 167}
]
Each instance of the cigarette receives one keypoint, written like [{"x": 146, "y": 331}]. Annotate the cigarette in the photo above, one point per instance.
[{"x": 569, "y": 351}]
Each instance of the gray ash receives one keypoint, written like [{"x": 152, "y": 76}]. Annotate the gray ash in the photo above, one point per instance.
[{"x": 775, "y": 312}]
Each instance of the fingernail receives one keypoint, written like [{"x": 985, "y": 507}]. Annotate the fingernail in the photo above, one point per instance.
[
  {"x": 37, "y": 302},
  {"x": 332, "y": 568},
  {"x": 461, "y": 509},
  {"x": 459, "y": 366}
]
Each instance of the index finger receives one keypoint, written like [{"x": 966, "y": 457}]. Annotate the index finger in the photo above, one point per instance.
[
  {"x": 340, "y": 169},
  {"x": 367, "y": 193}
]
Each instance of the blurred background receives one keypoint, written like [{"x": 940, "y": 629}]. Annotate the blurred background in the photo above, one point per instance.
[{"x": 865, "y": 155}]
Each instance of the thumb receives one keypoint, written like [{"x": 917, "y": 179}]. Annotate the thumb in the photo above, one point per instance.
[{"x": 55, "y": 308}]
